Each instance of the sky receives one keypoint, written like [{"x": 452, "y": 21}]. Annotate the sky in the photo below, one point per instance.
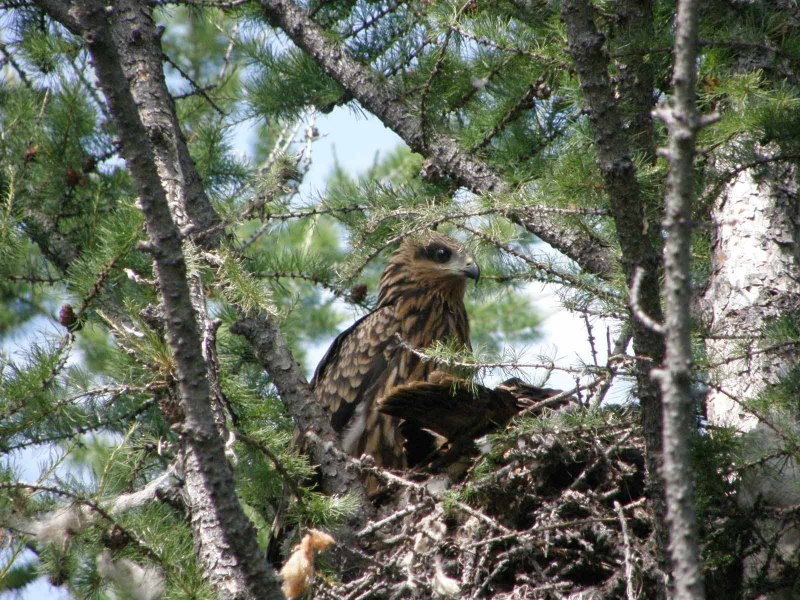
[{"x": 354, "y": 140}]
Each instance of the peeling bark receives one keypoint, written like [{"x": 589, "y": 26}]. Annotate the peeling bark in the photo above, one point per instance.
[{"x": 755, "y": 267}]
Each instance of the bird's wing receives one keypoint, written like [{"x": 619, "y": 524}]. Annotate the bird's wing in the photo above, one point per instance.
[
  {"x": 356, "y": 365},
  {"x": 450, "y": 408},
  {"x": 456, "y": 409},
  {"x": 331, "y": 353},
  {"x": 527, "y": 394}
]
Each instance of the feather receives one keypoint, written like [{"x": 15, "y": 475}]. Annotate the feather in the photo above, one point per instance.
[
  {"x": 452, "y": 408},
  {"x": 461, "y": 411},
  {"x": 299, "y": 567},
  {"x": 420, "y": 301}
]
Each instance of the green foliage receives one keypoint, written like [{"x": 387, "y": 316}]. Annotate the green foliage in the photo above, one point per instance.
[
  {"x": 319, "y": 510},
  {"x": 494, "y": 76},
  {"x": 287, "y": 81},
  {"x": 17, "y": 577},
  {"x": 240, "y": 288},
  {"x": 502, "y": 318}
]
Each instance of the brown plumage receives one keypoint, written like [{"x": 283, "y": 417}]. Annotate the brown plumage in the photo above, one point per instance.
[
  {"x": 461, "y": 411},
  {"x": 420, "y": 301}
]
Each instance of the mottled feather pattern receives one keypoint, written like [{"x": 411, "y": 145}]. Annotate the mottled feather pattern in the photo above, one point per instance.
[{"x": 420, "y": 301}]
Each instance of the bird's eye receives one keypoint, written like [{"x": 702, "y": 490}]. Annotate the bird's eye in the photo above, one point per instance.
[{"x": 442, "y": 255}]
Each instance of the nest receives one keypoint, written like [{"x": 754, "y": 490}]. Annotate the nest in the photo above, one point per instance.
[{"x": 556, "y": 508}]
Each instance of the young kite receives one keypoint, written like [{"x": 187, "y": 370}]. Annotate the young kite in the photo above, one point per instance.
[{"x": 420, "y": 301}]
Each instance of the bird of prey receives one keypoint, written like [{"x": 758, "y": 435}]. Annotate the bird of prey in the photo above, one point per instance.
[
  {"x": 461, "y": 411},
  {"x": 420, "y": 301}
]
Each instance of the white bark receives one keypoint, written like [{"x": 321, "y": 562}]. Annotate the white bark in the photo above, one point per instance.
[
  {"x": 754, "y": 278},
  {"x": 754, "y": 281}
]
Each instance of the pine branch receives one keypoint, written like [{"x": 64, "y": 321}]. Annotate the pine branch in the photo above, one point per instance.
[
  {"x": 297, "y": 214},
  {"x": 310, "y": 417},
  {"x": 683, "y": 123},
  {"x": 302, "y": 213},
  {"x": 221, "y": 4},
  {"x": 80, "y": 73},
  {"x": 226, "y": 60},
  {"x": 44, "y": 279},
  {"x": 474, "y": 90},
  {"x": 156, "y": 154},
  {"x": 182, "y": 184},
  {"x": 635, "y": 75},
  {"x": 437, "y": 67},
  {"x": 108, "y": 515},
  {"x": 197, "y": 90},
  {"x": 145, "y": 113},
  {"x": 483, "y": 41},
  {"x": 276, "y": 462},
  {"x": 426, "y": 89},
  {"x": 538, "y": 90},
  {"x": 585, "y": 44},
  {"x": 62, "y": 350},
  {"x": 337, "y": 291},
  {"x": 8, "y": 57},
  {"x": 385, "y": 45},
  {"x": 407, "y": 60},
  {"x": 55, "y": 246},
  {"x": 374, "y": 19},
  {"x": 557, "y": 276},
  {"x": 444, "y": 357},
  {"x": 97, "y": 425},
  {"x": 374, "y": 95},
  {"x": 613, "y": 364},
  {"x": 220, "y": 404}
]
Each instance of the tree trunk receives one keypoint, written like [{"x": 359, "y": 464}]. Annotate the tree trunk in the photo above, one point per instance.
[
  {"x": 125, "y": 49},
  {"x": 755, "y": 269},
  {"x": 683, "y": 122},
  {"x": 586, "y": 45},
  {"x": 753, "y": 284}
]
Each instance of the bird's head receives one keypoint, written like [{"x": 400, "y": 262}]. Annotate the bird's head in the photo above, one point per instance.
[{"x": 431, "y": 262}]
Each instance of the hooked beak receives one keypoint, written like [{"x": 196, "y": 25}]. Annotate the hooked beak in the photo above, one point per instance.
[{"x": 473, "y": 271}]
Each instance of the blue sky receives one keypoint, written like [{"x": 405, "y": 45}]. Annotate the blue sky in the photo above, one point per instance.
[
  {"x": 349, "y": 138},
  {"x": 354, "y": 140}
]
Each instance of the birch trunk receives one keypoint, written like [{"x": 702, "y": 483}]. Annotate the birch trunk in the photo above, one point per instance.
[
  {"x": 755, "y": 268},
  {"x": 753, "y": 282}
]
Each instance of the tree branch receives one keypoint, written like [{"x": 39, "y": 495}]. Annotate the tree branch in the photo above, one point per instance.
[
  {"x": 124, "y": 45},
  {"x": 182, "y": 183},
  {"x": 55, "y": 246},
  {"x": 270, "y": 348},
  {"x": 260, "y": 330},
  {"x": 683, "y": 123},
  {"x": 635, "y": 73},
  {"x": 585, "y": 44},
  {"x": 374, "y": 95}
]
